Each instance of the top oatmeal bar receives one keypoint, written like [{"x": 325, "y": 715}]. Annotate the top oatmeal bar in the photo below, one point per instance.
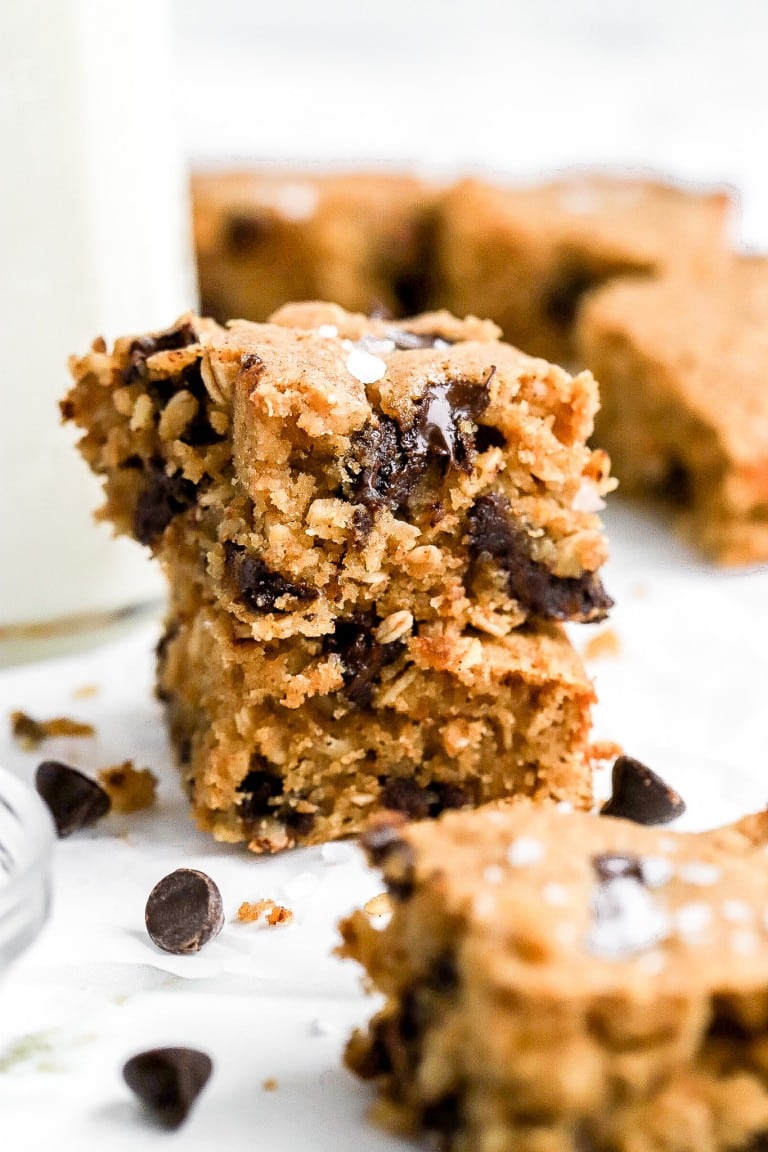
[{"x": 326, "y": 462}]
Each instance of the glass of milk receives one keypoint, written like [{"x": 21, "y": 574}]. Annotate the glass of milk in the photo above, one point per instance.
[{"x": 95, "y": 241}]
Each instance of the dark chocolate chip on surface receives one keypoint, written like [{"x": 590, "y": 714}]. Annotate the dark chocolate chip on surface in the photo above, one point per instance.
[
  {"x": 493, "y": 533},
  {"x": 75, "y": 801},
  {"x": 258, "y": 586},
  {"x": 163, "y": 498},
  {"x": 181, "y": 336},
  {"x": 638, "y": 794},
  {"x": 610, "y": 867},
  {"x": 167, "y": 1081},
  {"x": 384, "y": 472},
  {"x": 184, "y": 911}
]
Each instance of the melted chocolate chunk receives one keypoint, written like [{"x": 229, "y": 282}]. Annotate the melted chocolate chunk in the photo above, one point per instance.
[
  {"x": 245, "y": 232},
  {"x": 638, "y": 794},
  {"x": 167, "y": 1081},
  {"x": 610, "y": 867},
  {"x": 362, "y": 657},
  {"x": 565, "y": 295},
  {"x": 75, "y": 801},
  {"x": 389, "y": 461},
  {"x": 258, "y": 788},
  {"x": 442, "y": 416},
  {"x": 385, "y": 848},
  {"x": 163, "y": 498},
  {"x": 488, "y": 437},
  {"x": 300, "y": 823},
  {"x": 258, "y": 587},
  {"x": 184, "y": 911},
  {"x": 494, "y": 534},
  {"x": 145, "y": 346}
]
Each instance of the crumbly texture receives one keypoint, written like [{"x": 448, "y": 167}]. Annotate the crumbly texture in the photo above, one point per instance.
[
  {"x": 257, "y": 462},
  {"x": 266, "y": 912},
  {"x": 289, "y": 742},
  {"x": 266, "y": 237},
  {"x": 683, "y": 367},
  {"x": 371, "y": 531},
  {"x": 556, "y": 981},
  {"x": 129, "y": 788},
  {"x": 527, "y": 256}
]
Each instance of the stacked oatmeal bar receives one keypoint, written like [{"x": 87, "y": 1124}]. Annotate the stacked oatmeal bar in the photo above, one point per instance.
[{"x": 373, "y": 532}]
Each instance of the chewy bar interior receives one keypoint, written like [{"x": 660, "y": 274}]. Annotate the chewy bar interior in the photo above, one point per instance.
[
  {"x": 683, "y": 368},
  {"x": 371, "y": 531},
  {"x": 301, "y": 740},
  {"x": 561, "y": 981}
]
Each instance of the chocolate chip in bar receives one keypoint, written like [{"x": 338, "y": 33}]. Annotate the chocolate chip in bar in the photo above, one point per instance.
[
  {"x": 618, "y": 867},
  {"x": 75, "y": 801},
  {"x": 362, "y": 656},
  {"x": 184, "y": 911},
  {"x": 163, "y": 498},
  {"x": 258, "y": 586},
  {"x": 638, "y": 794},
  {"x": 445, "y": 419},
  {"x": 494, "y": 534},
  {"x": 566, "y": 294},
  {"x": 167, "y": 1081},
  {"x": 385, "y": 848}
]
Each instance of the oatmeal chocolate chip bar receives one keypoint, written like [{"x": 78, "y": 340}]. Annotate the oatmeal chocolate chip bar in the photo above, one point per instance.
[
  {"x": 683, "y": 367},
  {"x": 299, "y": 740},
  {"x": 527, "y": 255},
  {"x": 325, "y": 465},
  {"x": 557, "y": 981},
  {"x": 371, "y": 530},
  {"x": 266, "y": 237}
]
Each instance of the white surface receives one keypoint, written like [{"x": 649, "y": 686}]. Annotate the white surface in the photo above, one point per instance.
[
  {"x": 95, "y": 241},
  {"x": 686, "y": 693}
]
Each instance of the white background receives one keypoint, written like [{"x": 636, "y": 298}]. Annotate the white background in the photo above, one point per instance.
[{"x": 519, "y": 87}]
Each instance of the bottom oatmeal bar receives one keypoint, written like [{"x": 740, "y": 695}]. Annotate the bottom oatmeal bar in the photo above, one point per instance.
[
  {"x": 561, "y": 982},
  {"x": 298, "y": 741}
]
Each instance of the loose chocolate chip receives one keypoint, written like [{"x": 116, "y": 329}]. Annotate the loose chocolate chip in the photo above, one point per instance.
[
  {"x": 258, "y": 586},
  {"x": 184, "y": 911},
  {"x": 494, "y": 534},
  {"x": 564, "y": 296},
  {"x": 145, "y": 346},
  {"x": 385, "y": 848},
  {"x": 610, "y": 867},
  {"x": 75, "y": 800},
  {"x": 245, "y": 232},
  {"x": 361, "y": 655},
  {"x": 168, "y": 1081},
  {"x": 259, "y": 787},
  {"x": 638, "y": 794},
  {"x": 163, "y": 498}
]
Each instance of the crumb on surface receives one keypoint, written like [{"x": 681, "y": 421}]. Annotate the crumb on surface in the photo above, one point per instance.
[
  {"x": 603, "y": 644},
  {"x": 30, "y": 732},
  {"x": 380, "y": 905},
  {"x": 85, "y": 691},
  {"x": 264, "y": 911},
  {"x": 270, "y": 1085},
  {"x": 604, "y": 750},
  {"x": 130, "y": 789}
]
